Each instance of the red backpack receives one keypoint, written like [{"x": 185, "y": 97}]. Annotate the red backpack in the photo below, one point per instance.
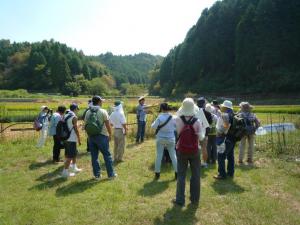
[{"x": 188, "y": 139}]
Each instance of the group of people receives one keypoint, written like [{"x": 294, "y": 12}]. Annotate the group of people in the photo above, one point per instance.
[
  {"x": 197, "y": 129},
  {"x": 98, "y": 126}
]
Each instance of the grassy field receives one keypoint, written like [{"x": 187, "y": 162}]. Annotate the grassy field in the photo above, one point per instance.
[{"x": 32, "y": 191}]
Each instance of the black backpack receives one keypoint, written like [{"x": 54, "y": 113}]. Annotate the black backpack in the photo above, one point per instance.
[
  {"x": 62, "y": 131},
  {"x": 238, "y": 128}
]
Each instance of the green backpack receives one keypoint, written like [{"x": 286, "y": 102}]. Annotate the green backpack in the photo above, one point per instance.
[{"x": 92, "y": 124}]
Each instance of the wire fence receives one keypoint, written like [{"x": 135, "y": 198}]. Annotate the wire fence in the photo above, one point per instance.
[{"x": 277, "y": 141}]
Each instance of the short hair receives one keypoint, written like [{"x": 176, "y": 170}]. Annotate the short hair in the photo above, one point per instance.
[{"x": 61, "y": 109}]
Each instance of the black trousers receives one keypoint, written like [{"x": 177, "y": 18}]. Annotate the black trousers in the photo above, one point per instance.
[{"x": 56, "y": 148}]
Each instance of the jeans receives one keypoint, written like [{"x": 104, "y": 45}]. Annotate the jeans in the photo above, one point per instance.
[
  {"x": 183, "y": 160},
  {"x": 211, "y": 149},
  {"x": 56, "y": 148},
  {"x": 141, "y": 131},
  {"x": 96, "y": 143},
  {"x": 229, "y": 154},
  {"x": 169, "y": 143}
]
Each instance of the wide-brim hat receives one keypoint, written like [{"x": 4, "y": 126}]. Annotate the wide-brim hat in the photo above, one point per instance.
[
  {"x": 209, "y": 107},
  {"x": 246, "y": 105},
  {"x": 141, "y": 98},
  {"x": 188, "y": 108},
  {"x": 227, "y": 104},
  {"x": 43, "y": 107}
]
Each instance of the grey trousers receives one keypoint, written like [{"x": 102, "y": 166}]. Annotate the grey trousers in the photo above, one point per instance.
[
  {"x": 182, "y": 164},
  {"x": 119, "y": 144}
]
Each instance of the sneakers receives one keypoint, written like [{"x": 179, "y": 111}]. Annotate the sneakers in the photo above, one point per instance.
[
  {"x": 113, "y": 177},
  {"x": 75, "y": 168},
  {"x": 66, "y": 174},
  {"x": 97, "y": 178},
  {"x": 219, "y": 177}
]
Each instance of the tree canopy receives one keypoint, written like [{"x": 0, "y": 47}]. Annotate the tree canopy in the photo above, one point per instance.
[{"x": 236, "y": 46}]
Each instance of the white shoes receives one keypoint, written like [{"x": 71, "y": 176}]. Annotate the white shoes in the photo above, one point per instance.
[
  {"x": 66, "y": 174},
  {"x": 75, "y": 168}
]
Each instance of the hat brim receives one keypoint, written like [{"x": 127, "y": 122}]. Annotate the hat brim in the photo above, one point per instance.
[
  {"x": 183, "y": 112},
  {"x": 224, "y": 106}
]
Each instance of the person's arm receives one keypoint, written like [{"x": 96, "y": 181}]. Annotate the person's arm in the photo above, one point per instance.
[
  {"x": 108, "y": 127},
  {"x": 74, "y": 121},
  {"x": 257, "y": 122},
  {"x": 155, "y": 124}
]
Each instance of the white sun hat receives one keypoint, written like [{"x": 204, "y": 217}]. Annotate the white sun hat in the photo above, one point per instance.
[
  {"x": 188, "y": 108},
  {"x": 227, "y": 104},
  {"x": 209, "y": 107}
]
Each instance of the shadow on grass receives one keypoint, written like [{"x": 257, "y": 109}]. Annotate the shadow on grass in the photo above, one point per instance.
[
  {"x": 227, "y": 186},
  {"x": 245, "y": 167},
  {"x": 177, "y": 215},
  {"x": 154, "y": 187},
  {"x": 48, "y": 184},
  {"x": 77, "y": 187},
  {"x": 37, "y": 165},
  {"x": 48, "y": 176},
  {"x": 203, "y": 170}
]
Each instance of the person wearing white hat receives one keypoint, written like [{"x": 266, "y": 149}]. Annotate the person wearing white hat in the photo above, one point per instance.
[
  {"x": 189, "y": 130},
  {"x": 252, "y": 125},
  {"x": 118, "y": 121},
  {"x": 225, "y": 142},
  {"x": 43, "y": 119}
]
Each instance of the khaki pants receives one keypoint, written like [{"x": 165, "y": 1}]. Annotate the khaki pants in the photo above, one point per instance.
[
  {"x": 119, "y": 144},
  {"x": 250, "y": 139}
]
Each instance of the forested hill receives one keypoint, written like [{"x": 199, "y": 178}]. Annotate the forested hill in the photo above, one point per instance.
[
  {"x": 237, "y": 46},
  {"x": 53, "y": 66},
  {"x": 131, "y": 68}
]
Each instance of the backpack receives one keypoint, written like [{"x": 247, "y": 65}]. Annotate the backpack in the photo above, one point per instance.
[
  {"x": 92, "y": 124},
  {"x": 37, "y": 125},
  {"x": 62, "y": 130},
  {"x": 188, "y": 139},
  {"x": 238, "y": 128},
  {"x": 250, "y": 127}
]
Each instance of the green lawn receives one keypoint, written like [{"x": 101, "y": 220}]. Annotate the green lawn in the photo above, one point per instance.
[{"x": 32, "y": 191}]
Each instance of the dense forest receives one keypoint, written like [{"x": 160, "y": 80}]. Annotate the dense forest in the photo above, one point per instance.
[
  {"x": 237, "y": 46},
  {"x": 50, "y": 66}
]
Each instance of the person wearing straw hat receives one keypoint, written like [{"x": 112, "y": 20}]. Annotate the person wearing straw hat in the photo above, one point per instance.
[
  {"x": 165, "y": 138},
  {"x": 225, "y": 142},
  {"x": 252, "y": 125},
  {"x": 141, "y": 115},
  {"x": 189, "y": 130},
  {"x": 118, "y": 121}
]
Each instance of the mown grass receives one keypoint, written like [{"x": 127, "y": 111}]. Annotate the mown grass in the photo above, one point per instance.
[{"x": 33, "y": 193}]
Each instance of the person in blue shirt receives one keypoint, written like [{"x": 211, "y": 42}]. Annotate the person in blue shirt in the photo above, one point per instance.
[
  {"x": 58, "y": 145},
  {"x": 165, "y": 126}
]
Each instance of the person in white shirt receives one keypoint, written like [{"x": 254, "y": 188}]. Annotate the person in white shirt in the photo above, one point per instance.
[
  {"x": 71, "y": 143},
  {"x": 118, "y": 121}
]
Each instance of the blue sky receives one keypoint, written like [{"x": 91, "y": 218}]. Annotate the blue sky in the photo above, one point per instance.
[{"x": 97, "y": 26}]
